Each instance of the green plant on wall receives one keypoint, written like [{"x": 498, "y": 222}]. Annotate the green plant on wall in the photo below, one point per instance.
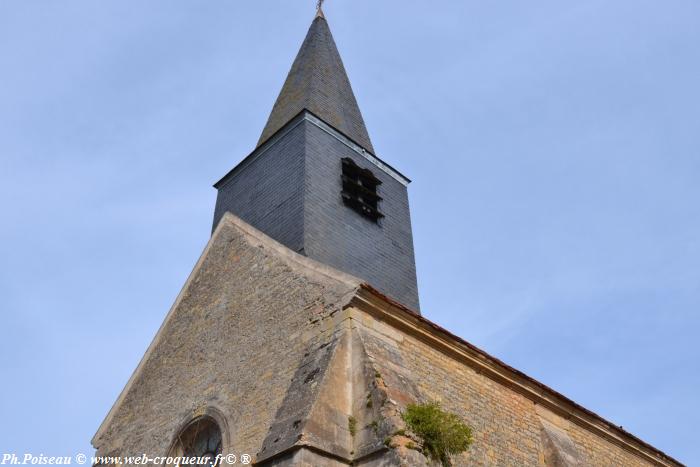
[
  {"x": 352, "y": 425},
  {"x": 442, "y": 433}
]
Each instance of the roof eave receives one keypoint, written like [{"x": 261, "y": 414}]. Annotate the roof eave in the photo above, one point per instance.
[
  {"x": 398, "y": 315},
  {"x": 273, "y": 139}
]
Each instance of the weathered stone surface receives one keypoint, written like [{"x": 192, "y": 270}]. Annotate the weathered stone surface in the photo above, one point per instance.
[
  {"x": 233, "y": 340},
  {"x": 283, "y": 352},
  {"x": 559, "y": 449}
]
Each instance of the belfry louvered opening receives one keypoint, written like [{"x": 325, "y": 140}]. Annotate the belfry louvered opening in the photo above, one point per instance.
[{"x": 360, "y": 190}]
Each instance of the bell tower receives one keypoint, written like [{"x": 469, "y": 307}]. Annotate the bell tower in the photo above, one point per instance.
[
  {"x": 315, "y": 184},
  {"x": 283, "y": 349}
]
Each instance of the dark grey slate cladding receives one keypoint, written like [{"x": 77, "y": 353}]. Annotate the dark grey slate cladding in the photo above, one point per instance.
[
  {"x": 319, "y": 83},
  {"x": 382, "y": 254},
  {"x": 291, "y": 190},
  {"x": 267, "y": 192}
]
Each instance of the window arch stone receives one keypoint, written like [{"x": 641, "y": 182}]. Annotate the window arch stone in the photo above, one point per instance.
[{"x": 201, "y": 438}]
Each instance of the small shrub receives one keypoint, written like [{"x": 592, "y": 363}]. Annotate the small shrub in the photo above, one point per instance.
[{"x": 442, "y": 433}]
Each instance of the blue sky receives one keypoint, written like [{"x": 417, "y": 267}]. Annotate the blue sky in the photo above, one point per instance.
[{"x": 554, "y": 148}]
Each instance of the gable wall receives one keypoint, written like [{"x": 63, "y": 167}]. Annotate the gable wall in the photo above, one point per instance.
[
  {"x": 232, "y": 342},
  {"x": 256, "y": 321}
]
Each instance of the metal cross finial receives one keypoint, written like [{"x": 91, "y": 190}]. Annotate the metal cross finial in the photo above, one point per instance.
[{"x": 319, "y": 9}]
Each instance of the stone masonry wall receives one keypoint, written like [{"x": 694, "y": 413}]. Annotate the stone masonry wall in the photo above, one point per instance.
[
  {"x": 232, "y": 342},
  {"x": 284, "y": 352},
  {"x": 507, "y": 427}
]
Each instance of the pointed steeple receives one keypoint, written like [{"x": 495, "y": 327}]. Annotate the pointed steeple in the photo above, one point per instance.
[
  {"x": 314, "y": 183},
  {"x": 318, "y": 82}
]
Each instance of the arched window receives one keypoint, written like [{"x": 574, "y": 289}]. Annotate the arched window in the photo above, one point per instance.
[{"x": 202, "y": 439}]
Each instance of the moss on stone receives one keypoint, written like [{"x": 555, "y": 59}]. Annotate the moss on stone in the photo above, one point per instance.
[{"x": 352, "y": 425}]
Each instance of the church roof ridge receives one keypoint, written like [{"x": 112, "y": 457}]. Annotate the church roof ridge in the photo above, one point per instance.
[{"x": 318, "y": 82}]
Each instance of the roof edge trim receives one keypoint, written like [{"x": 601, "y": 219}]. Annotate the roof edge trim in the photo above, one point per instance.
[{"x": 307, "y": 115}]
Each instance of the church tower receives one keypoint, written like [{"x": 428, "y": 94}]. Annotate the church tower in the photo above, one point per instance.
[
  {"x": 315, "y": 184},
  {"x": 296, "y": 339}
]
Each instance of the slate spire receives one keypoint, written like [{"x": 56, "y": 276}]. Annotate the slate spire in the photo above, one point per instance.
[{"x": 318, "y": 82}]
